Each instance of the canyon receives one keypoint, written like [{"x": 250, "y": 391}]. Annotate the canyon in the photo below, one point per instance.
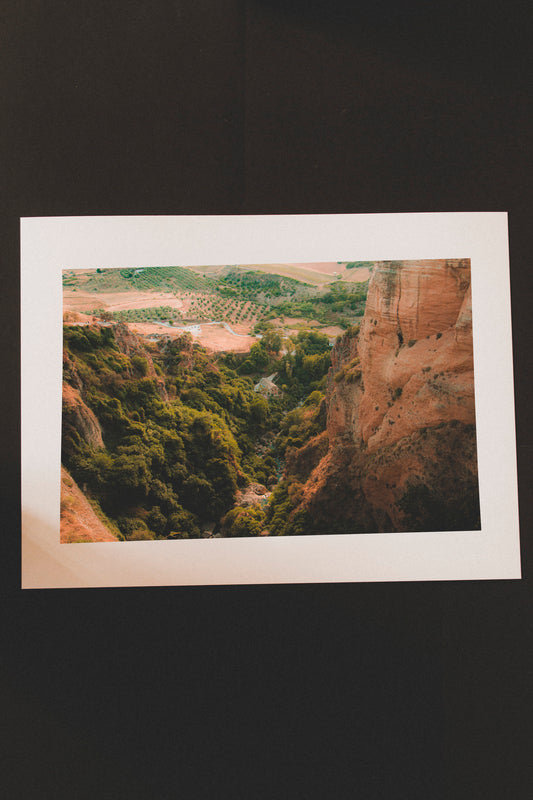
[{"x": 376, "y": 434}]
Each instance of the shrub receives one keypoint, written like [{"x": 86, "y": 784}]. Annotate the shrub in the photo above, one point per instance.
[
  {"x": 350, "y": 372},
  {"x": 142, "y": 534},
  {"x": 244, "y": 521},
  {"x": 314, "y": 399},
  {"x": 352, "y": 331},
  {"x": 353, "y": 375},
  {"x": 132, "y": 527},
  {"x": 140, "y": 365},
  {"x": 183, "y": 525},
  {"x": 157, "y": 521}
]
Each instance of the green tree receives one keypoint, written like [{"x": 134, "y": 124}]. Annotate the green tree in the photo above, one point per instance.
[
  {"x": 198, "y": 496},
  {"x": 259, "y": 413},
  {"x": 157, "y": 521},
  {"x": 140, "y": 365},
  {"x": 272, "y": 341},
  {"x": 244, "y": 521}
]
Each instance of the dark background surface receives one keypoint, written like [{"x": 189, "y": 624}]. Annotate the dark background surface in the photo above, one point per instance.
[{"x": 419, "y": 690}]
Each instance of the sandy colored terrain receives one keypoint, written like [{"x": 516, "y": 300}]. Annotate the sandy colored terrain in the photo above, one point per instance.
[
  {"x": 118, "y": 301},
  {"x": 208, "y": 270},
  {"x": 318, "y": 274},
  {"x": 214, "y": 337},
  {"x": 121, "y": 301},
  {"x": 217, "y": 339},
  {"x": 332, "y": 330},
  {"x": 243, "y": 328},
  {"x": 291, "y": 271},
  {"x": 75, "y": 318},
  {"x": 359, "y": 275},
  {"x": 325, "y": 267},
  {"x": 355, "y": 275},
  {"x": 79, "y": 522}
]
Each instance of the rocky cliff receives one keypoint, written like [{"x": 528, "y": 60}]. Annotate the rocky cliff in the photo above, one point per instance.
[{"x": 400, "y": 408}]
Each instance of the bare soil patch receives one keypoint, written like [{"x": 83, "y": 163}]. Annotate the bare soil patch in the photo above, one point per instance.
[
  {"x": 215, "y": 338},
  {"x": 325, "y": 267},
  {"x": 292, "y": 271},
  {"x": 75, "y": 318},
  {"x": 358, "y": 275},
  {"x": 332, "y": 330},
  {"x": 118, "y": 301},
  {"x": 294, "y": 322}
]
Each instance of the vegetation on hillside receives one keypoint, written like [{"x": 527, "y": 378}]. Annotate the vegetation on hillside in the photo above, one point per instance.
[
  {"x": 357, "y": 264},
  {"x": 253, "y": 285},
  {"x": 341, "y": 304},
  {"x": 183, "y": 429},
  {"x": 201, "y": 308}
]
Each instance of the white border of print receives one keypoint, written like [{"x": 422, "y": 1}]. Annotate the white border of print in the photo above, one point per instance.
[{"x": 49, "y": 245}]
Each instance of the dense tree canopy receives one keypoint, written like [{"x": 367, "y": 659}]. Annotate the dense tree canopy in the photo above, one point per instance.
[{"x": 182, "y": 429}]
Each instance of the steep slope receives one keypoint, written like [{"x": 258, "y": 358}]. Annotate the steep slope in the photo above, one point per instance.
[
  {"x": 79, "y": 522},
  {"x": 80, "y": 417},
  {"x": 400, "y": 409},
  {"x": 160, "y": 435}
]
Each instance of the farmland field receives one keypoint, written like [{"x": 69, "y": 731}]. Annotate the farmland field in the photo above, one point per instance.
[{"x": 250, "y": 298}]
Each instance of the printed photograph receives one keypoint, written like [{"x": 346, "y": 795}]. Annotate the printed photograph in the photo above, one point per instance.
[{"x": 263, "y": 400}]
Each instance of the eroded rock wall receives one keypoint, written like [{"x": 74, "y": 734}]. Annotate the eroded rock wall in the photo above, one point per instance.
[{"x": 400, "y": 405}]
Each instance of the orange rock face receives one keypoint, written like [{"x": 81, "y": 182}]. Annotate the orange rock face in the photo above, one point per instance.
[
  {"x": 79, "y": 522},
  {"x": 416, "y": 352},
  {"x": 400, "y": 401}
]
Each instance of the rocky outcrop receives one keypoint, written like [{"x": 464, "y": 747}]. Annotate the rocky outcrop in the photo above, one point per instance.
[
  {"x": 415, "y": 347},
  {"x": 253, "y": 494},
  {"x": 400, "y": 407},
  {"x": 80, "y": 417}
]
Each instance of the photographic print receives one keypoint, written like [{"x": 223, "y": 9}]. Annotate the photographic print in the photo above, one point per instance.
[
  {"x": 268, "y": 400},
  {"x": 279, "y": 399}
]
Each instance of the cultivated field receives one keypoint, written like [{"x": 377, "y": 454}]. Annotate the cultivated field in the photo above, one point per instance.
[
  {"x": 359, "y": 275},
  {"x": 313, "y": 277},
  {"x": 225, "y": 307},
  {"x": 317, "y": 274},
  {"x": 81, "y": 300}
]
